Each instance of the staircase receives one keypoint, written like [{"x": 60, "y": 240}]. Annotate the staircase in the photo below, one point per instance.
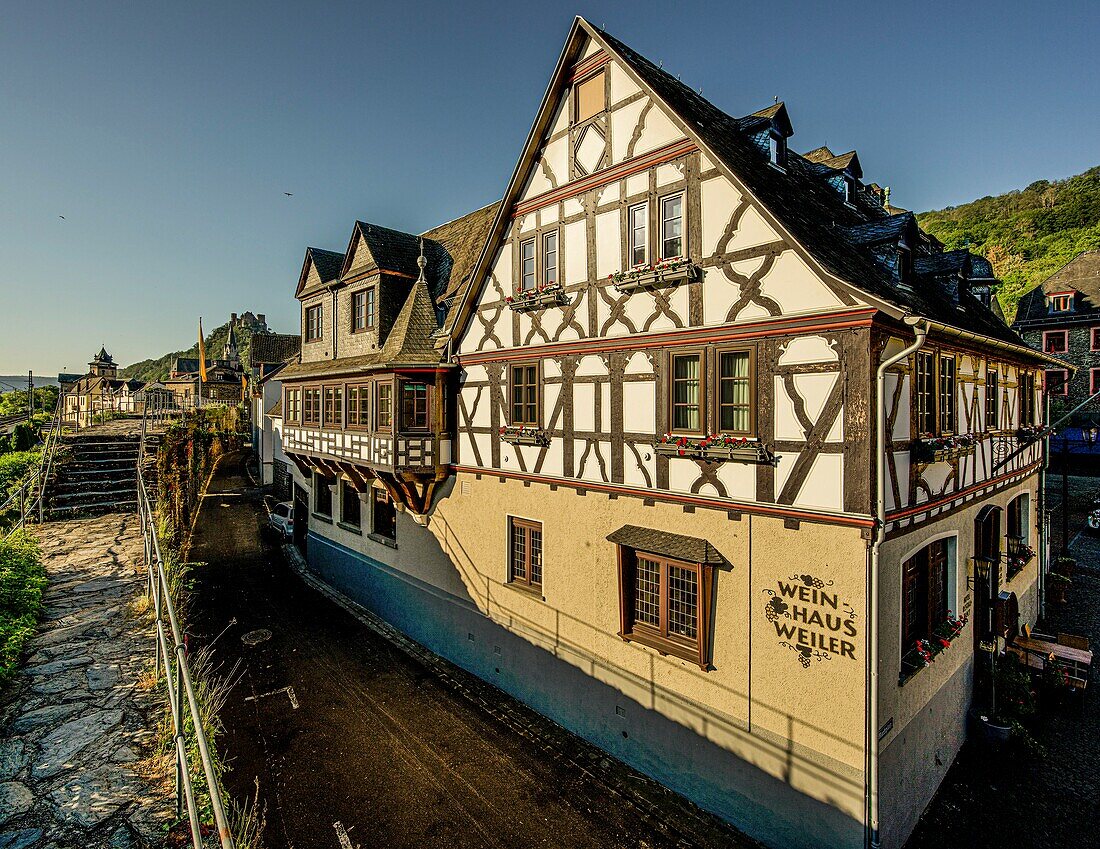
[{"x": 95, "y": 473}]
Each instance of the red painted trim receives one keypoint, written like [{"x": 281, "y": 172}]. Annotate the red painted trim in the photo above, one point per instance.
[
  {"x": 848, "y": 520},
  {"x": 932, "y": 505},
  {"x": 754, "y": 330},
  {"x": 608, "y": 175},
  {"x": 583, "y": 69},
  {"x": 1056, "y": 294}
]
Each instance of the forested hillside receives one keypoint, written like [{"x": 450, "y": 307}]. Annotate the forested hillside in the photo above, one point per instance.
[
  {"x": 215, "y": 345},
  {"x": 1027, "y": 234}
]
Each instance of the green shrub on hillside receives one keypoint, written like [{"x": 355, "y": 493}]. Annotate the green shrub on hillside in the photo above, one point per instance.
[
  {"x": 22, "y": 582},
  {"x": 14, "y": 467},
  {"x": 1026, "y": 234}
]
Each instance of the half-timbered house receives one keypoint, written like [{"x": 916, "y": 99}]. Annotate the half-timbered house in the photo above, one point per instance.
[{"x": 724, "y": 464}]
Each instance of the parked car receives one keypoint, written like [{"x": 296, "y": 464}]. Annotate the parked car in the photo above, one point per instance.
[{"x": 281, "y": 520}]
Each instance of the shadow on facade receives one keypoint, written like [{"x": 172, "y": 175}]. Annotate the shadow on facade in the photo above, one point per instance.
[{"x": 767, "y": 784}]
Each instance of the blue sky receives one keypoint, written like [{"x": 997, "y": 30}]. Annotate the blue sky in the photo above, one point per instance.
[{"x": 166, "y": 134}]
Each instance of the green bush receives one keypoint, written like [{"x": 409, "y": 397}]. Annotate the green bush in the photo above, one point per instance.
[
  {"x": 22, "y": 581},
  {"x": 14, "y": 467}
]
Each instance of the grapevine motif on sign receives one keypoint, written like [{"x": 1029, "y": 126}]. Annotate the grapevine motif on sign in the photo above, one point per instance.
[{"x": 810, "y": 620}]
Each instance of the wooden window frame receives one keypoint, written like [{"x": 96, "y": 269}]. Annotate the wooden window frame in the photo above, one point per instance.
[
  {"x": 512, "y": 420},
  {"x": 315, "y": 419},
  {"x": 936, "y": 599},
  {"x": 381, "y": 496},
  {"x": 950, "y": 394},
  {"x": 661, "y": 221},
  {"x": 992, "y": 399},
  {"x": 526, "y": 527},
  {"x": 670, "y": 387},
  {"x": 379, "y": 385},
  {"x": 404, "y": 426},
  {"x": 1054, "y": 334},
  {"x": 533, "y": 242},
  {"x": 292, "y": 405},
  {"x": 717, "y": 393},
  {"x": 361, "y": 322},
  {"x": 544, "y": 267},
  {"x": 632, "y": 245},
  {"x": 658, "y": 638},
  {"x": 321, "y": 482},
  {"x": 600, "y": 73},
  {"x": 364, "y": 397},
  {"x": 925, "y": 398},
  {"x": 1065, "y": 382},
  {"x": 336, "y": 392},
  {"x": 319, "y": 311},
  {"x": 347, "y": 489},
  {"x": 777, "y": 150},
  {"x": 1094, "y": 338},
  {"x": 1025, "y": 392},
  {"x": 1093, "y": 374}
]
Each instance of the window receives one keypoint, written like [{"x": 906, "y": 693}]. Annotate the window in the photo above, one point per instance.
[
  {"x": 322, "y": 496},
  {"x": 383, "y": 515},
  {"x": 334, "y": 406},
  {"x": 665, "y": 603},
  {"x": 527, "y": 265},
  {"x": 311, "y": 407},
  {"x": 589, "y": 98},
  {"x": 549, "y": 258},
  {"x": 359, "y": 406},
  {"x": 687, "y": 393},
  {"x": 1018, "y": 520},
  {"x": 992, "y": 400},
  {"x": 313, "y": 322},
  {"x": 1055, "y": 341},
  {"x": 362, "y": 310},
  {"x": 384, "y": 406},
  {"x": 947, "y": 394},
  {"x": 672, "y": 226},
  {"x": 1094, "y": 339},
  {"x": 1027, "y": 399},
  {"x": 735, "y": 392},
  {"x": 1062, "y": 302},
  {"x": 1056, "y": 381},
  {"x": 525, "y": 553},
  {"x": 638, "y": 223},
  {"x": 292, "y": 405},
  {"x": 777, "y": 149},
  {"x": 925, "y": 389},
  {"x": 349, "y": 505},
  {"x": 414, "y": 406},
  {"x": 905, "y": 261},
  {"x": 849, "y": 190},
  {"x": 924, "y": 600},
  {"x": 524, "y": 392},
  {"x": 1094, "y": 381}
]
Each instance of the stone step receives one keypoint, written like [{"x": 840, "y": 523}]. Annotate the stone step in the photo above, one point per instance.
[
  {"x": 66, "y": 489},
  {"x": 95, "y": 496},
  {"x": 78, "y": 511}
]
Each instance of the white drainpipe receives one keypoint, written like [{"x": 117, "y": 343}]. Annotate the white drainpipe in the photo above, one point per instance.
[{"x": 920, "y": 327}]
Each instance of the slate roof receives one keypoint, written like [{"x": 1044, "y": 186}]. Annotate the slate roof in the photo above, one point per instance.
[
  {"x": 676, "y": 546},
  {"x": 274, "y": 347},
  {"x": 1081, "y": 275},
  {"x": 807, "y": 206},
  {"x": 327, "y": 263}
]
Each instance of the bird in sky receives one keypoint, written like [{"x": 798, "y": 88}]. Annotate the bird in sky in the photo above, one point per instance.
[
  {"x": 62, "y": 217},
  {"x": 289, "y": 194}
]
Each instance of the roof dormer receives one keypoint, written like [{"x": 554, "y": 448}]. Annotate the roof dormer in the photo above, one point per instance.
[
  {"x": 769, "y": 130},
  {"x": 843, "y": 172},
  {"x": 1060, "y": 302}
]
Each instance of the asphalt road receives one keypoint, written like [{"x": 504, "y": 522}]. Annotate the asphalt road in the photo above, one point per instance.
[{"x": 371, "y": 739}]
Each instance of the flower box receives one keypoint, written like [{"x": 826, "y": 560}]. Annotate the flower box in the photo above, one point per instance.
[
  {"x": 941, "y": 449},
  {"x": 716, "y": 448},
  {"x": 1018, "y": 555},
  {"x": 924, "y": 652},
  {"x": 670, "y": 272},
  {"x": 525, "y": 436},
  {"x": 548, "y": 295}
]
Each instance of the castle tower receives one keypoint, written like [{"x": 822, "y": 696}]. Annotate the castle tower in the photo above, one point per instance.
[{"x": 103, "y": 365}]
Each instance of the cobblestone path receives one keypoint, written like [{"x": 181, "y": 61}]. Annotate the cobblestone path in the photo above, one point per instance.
[{"x": 77, "y": 727}]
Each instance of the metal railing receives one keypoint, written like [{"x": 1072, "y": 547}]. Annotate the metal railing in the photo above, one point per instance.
[
  {"x": 31, "y": 495},
  {"x": 169, "y": 643}
]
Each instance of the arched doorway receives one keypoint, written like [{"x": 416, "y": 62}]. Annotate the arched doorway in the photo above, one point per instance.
[{"x": 987, "y": 570}]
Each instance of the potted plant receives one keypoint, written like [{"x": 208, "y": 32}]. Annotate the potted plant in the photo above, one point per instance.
[{"x": 1010, "y": 701}]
